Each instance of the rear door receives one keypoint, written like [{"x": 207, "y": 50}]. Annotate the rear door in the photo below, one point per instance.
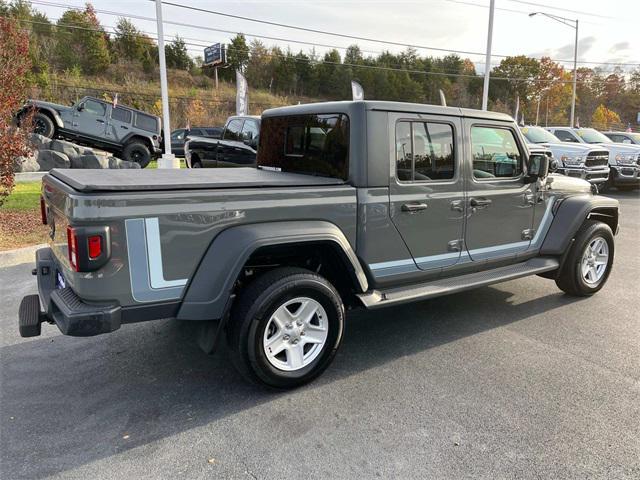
[
  {"x": 500, "y": 204},
  {"x": 119, "y": 124},
  {"x": 426, "y": 187},
  {"x": 230, "y": 146}
]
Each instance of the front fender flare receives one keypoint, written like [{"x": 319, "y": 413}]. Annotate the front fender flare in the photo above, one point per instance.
[
  {"x": 571, "y": 213},
  {"x": 211, "y": 286}
]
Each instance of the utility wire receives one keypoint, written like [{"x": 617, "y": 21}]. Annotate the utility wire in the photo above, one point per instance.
[{"x": 188, "y": 25}]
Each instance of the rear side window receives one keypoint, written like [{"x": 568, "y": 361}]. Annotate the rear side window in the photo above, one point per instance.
[
  {"x": 424, "y": 151},
  {"x": 250, "y": 130},
  {"x": 313, "y": 144},
  {"x": 121, "y": 114},
  {"x": 495, "y": 153},
  {"x": 146, "y": 122},
  {"x": 233, "y": 129}
]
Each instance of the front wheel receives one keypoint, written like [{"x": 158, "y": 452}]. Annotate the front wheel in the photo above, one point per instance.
[
  {"x": 43, "y": 125},
  {"x": 286, "y": 328},
  {"x": 589, "y": 262}
]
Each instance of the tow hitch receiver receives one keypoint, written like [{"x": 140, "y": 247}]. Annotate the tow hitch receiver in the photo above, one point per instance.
[{"x": 30, "y": 316}]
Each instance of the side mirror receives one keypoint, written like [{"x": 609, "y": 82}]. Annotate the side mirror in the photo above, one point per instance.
[
  {"x": 538, "y": 167},
  {"x": 80, "y": 107}
]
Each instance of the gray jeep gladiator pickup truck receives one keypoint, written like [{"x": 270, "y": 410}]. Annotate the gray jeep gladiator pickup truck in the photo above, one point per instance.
[
  {"x": 122, "y": 130},
  {"x": 353, "y": 204}
]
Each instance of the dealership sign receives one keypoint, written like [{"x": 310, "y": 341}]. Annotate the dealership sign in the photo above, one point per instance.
[{"x": 215, "y": 55}]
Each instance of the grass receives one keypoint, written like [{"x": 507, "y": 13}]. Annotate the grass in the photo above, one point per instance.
[
  {"x": 25, "y": 196},
  {"x": 20, "y": 222}
]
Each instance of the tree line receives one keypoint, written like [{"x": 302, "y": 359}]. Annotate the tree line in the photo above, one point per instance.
[{"x": 79, "y": 44}]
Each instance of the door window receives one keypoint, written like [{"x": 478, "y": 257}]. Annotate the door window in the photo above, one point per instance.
[
  {"x": 495, "y": 153},
  {"x": 424, "y": 151},
  {"x": 233, "y": 130},
  {"x": 121, "y": 114},
  {"x": 250, "y": 130},
  {"x": 177, "y": 135},
  {"x": 95, "y": 108},
  {"x": 565, "y": 136}
]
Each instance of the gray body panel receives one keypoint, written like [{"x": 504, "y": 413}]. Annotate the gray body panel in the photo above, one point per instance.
[{"x": 183, "y": 236}]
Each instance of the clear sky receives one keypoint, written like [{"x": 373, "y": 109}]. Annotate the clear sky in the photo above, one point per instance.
[{"x": 608, "y": 31}]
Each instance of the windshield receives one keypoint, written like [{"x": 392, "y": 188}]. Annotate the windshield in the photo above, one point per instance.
[
  {"x": 590, "y": 135},
  {"x": 539, "y": 135},
  {"x": 635, "y": 136}
]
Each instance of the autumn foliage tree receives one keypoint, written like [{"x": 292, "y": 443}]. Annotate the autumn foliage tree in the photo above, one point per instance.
[
  {"x": 603, "y": 118},
  {"x": 14, "y": 68}
]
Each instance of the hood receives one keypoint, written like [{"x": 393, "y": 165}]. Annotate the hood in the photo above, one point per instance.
[
  {"x": 55, "y": 106},
  {"x": 575, "y": 148},
  {"x": 567, "y": 185},
  {"x": 622, "y": 148}
]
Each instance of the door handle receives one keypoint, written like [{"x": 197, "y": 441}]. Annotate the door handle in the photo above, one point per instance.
[
  {"x": 414, "y": 207},
  {"x": 479, "y": 203},
  {"x": 122, "y": 126},
  {"x": 99, "y": 121}
]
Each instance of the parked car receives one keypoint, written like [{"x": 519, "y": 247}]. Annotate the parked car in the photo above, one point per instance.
[
  {"x": 236, "y": 147},
  {"x": 126, "y": 132},
  {"x": 574, "y": 160},
  {"x": 180, "y": 136},
  {"x": 631, "y": 138},
  {"x": 352, "y": 204},
  {"x": 624, "y": 160}
]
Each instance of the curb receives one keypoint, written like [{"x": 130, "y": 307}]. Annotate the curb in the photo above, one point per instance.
[
  {"x": 29, "y": 176},
  {"x": 18, "y": 256}
]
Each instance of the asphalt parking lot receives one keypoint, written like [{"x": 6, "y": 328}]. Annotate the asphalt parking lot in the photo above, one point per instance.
[{"x": 512, "y": 381}]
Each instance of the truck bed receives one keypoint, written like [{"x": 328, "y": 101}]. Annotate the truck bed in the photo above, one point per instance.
[{"x": 183, "y": 179}]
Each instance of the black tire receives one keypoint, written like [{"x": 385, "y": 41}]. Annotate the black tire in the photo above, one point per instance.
[
  {"x": 138, "y": 152},
  {"x": 43, "y": 125},
  {"x": 252, "y": 314},
  {"x": 196, "y": 163},
  {"x": 571, "y": 279}
]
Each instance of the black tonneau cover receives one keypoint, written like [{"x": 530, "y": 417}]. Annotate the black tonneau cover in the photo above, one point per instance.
[{"x": 184, "y": 179}]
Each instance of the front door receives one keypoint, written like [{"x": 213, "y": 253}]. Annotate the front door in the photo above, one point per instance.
[
  {"x": 90, "y": 117},
  {"x": 500, "y": 204},
  {"x": 426, "y": 187}
]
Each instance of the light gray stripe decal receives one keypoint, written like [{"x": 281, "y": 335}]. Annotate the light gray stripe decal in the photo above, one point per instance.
[
  {"x": 139, "y": 265},
  {"x": 156, "y": 274},
  {"x": 397, "y": 267}
]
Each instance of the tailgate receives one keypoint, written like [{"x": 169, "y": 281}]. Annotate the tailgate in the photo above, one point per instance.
[{"x": 56, "y": 199}]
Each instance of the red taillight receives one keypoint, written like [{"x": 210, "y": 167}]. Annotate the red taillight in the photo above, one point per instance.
[
  {"x": 72, "y": 245},
  {"x": 95, "y": 246},
  {"x": 43, "y": 210}
]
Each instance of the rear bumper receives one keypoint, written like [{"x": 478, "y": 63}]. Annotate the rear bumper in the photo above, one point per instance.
[
  {"x": 63, "y": 307},
  {"x": 73, "y": 315}
]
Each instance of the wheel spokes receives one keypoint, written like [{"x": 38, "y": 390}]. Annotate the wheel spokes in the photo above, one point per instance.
[{"x": 295, "y": 356}]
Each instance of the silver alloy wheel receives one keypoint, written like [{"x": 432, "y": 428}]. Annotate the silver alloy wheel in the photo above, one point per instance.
[
  {"x": 295, "y": 334},
  {"x": 595, "y": 260}
]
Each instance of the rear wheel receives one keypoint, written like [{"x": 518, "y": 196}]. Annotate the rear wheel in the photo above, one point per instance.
[
  {"x": 43, "y": 125},
  {"x": 137, "y": 152},
  {"x": 286, "y": 328},
  {"x": 589, "y": 262}
]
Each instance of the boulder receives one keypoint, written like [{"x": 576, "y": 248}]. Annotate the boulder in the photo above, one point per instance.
[
  {"x": 48, "y": 159},
  {"x": 39, "y": 142},
  {"x": 27, "y": 164},
  {"x": 117, "y": 163},
  {"x": 68, "y": 148},
  {"x": 90, "y": 161}
]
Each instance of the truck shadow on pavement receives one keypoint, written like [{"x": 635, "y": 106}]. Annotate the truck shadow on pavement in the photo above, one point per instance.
[{"x": 68, "y": 402}]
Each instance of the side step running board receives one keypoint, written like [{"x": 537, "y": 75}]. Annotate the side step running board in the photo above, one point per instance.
[{"x": 445, "y": 286}]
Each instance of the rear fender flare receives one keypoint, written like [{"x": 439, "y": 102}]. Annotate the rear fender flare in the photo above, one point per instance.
[{"x": 210, "y": 288}]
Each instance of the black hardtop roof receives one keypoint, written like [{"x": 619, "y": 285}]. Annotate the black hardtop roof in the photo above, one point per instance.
[{"x": 351, "y": 106}]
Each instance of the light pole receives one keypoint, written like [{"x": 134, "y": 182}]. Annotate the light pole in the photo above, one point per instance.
[
  {"x": 487, "y": 62},
  {"x": 573, "y": 24},
  {"x": 168, "y": 160}
]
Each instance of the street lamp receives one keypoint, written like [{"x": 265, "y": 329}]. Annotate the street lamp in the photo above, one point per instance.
[{"x": 569, "y": 23}]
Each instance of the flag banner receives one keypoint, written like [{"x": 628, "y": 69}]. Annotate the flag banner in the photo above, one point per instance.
[
  {"x": 443, "y": 100},
  {"x": 357, "y": 92},
  {"x": 115, "y": 100},
  {"x": 242, "y": 94}
]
